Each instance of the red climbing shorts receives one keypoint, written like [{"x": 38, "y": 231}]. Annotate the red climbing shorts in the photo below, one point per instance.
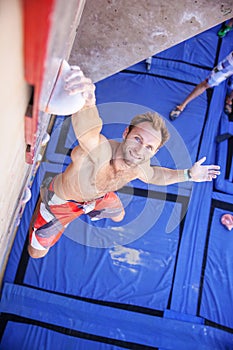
[{"x": 54, "y": 214}]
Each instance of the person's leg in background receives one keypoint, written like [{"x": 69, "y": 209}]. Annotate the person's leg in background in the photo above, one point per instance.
[
  {"x": 229, "y": 96},
  {"x": 227, "y": 27}
]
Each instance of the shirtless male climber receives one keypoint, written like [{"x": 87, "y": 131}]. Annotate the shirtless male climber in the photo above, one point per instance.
[{"x": 100, "y": 166}]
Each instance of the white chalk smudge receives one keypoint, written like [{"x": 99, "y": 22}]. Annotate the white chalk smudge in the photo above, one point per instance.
[{"x": 126, "y": 255}]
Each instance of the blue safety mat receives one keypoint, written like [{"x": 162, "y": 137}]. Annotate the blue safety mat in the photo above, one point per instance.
[
  {"x": 225, "y": 155},
  {"x": 162, "y": 278}
]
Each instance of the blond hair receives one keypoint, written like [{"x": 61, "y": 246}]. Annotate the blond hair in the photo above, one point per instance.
[{"x": 157, "y": 122}]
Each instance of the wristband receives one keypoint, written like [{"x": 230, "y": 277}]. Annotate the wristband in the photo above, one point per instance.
[{"x": 187, "y": 175}]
